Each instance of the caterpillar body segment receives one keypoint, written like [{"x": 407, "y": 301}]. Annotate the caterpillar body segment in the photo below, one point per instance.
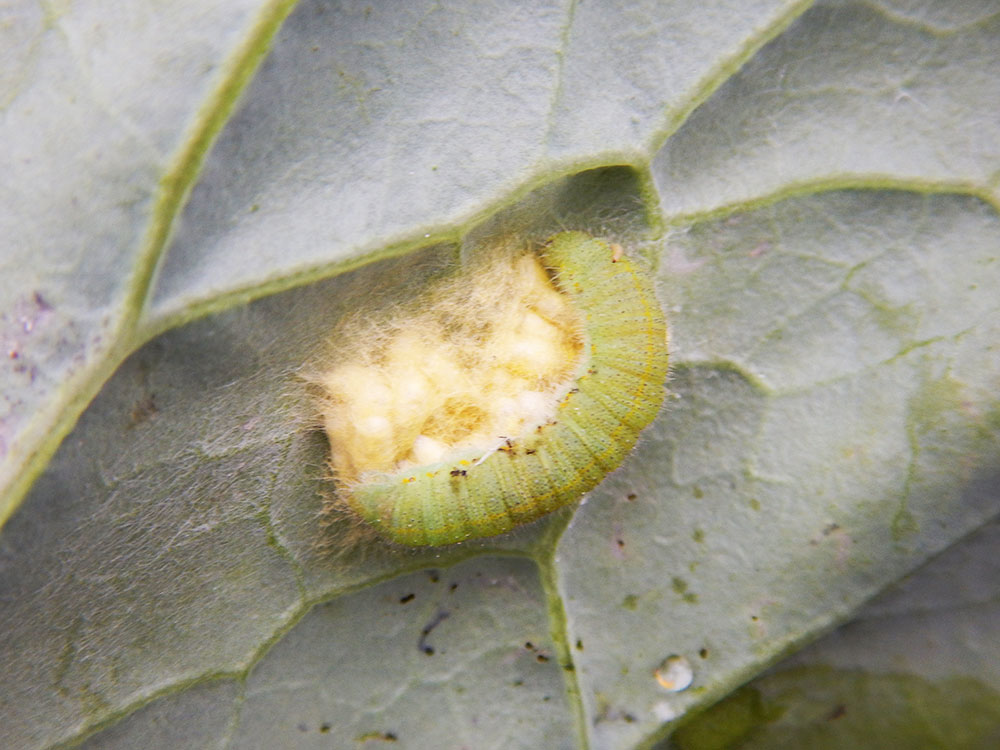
[{"x": 617, "y": 391}]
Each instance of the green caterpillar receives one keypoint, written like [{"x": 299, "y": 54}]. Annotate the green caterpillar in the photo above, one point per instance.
[{"x": 618, "y": 390}]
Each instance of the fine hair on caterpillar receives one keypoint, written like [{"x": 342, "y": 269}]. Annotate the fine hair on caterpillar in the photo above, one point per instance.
[{"x": 497, "y": 395}]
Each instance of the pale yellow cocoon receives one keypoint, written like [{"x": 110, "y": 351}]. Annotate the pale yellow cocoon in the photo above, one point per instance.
[{"x": 477, "y": 360}]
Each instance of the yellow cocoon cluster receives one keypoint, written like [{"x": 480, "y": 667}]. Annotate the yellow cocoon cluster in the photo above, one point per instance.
[
  {"x": 498, "y": 396},
  {"x": 480, "y": 360}
]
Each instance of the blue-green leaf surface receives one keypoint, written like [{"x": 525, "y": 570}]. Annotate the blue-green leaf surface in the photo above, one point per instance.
[{"x": 814, "y": 187}]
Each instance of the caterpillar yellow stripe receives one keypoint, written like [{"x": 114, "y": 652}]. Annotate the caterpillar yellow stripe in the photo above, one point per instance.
[{"x": 617, "y": 389}]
